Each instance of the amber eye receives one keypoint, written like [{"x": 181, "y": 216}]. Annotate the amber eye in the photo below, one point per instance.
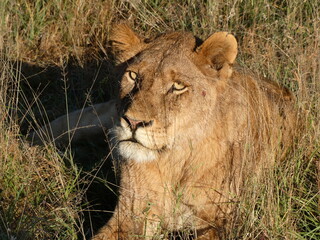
[
  {"x": 133, "y": 76},
  {"x": 179, "y": 88}
]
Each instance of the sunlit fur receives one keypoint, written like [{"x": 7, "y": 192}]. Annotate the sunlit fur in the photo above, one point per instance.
[{"x": 185, "y": 166}]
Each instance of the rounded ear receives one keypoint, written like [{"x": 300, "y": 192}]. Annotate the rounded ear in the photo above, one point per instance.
[
  {"x": 125, "y": 43},
  {"x": 220, "y": 49}
]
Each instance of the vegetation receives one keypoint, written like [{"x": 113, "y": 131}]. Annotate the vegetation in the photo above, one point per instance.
[{"x": 54, "y": 58}]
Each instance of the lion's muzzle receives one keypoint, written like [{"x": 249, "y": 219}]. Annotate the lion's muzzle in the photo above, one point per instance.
[{"x": 140, "y": 140}]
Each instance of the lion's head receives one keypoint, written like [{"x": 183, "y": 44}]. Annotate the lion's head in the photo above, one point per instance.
[{"x": 168, "y": 89}]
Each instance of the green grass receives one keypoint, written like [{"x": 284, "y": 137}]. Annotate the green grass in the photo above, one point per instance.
[
  {"x": 38, "y": 193},
  {"x": 42, "y": 190}
]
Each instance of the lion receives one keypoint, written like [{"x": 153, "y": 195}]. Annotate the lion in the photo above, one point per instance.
[{"x": 189, "y": 129}]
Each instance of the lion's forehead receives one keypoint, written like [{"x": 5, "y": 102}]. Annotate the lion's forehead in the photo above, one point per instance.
[
  {"x": 160, "y": 58},
  {"x": 174, "y": 40},
  {"x": 159, "y": 64},
  {"x": 160, "y": 76},
  {"x": 168, "y": 47}
]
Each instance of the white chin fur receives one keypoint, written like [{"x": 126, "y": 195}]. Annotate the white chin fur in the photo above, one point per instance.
[{"x": 136, "y": 152}]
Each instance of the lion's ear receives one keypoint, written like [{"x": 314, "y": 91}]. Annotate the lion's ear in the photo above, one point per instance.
[
  {"x": 125, "y": 42},
  {"x": 220, "y": 49}
]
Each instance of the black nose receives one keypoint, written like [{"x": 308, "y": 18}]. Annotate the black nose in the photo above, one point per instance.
[{"x": 135, "y": 124}]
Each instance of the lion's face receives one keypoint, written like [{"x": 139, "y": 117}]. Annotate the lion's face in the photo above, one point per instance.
[{"x": 168, "y": 92}]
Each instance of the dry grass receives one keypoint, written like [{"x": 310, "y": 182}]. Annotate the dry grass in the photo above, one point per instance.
[{"x": 39, "y": 192}]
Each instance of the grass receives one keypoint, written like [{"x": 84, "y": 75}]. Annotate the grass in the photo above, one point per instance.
[
  {"x": 38, "y": 193},
  {"x": 42, "y": 190}
]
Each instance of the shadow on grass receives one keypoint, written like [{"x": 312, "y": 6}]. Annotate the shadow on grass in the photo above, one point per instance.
[{"x": 47, "y": 93}]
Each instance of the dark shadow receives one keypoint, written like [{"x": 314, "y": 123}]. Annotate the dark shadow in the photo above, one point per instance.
[
  {"x": 49, "y": 91},
  {"x": 100, "y": 181},
  {"x": 46, "y": 93}
]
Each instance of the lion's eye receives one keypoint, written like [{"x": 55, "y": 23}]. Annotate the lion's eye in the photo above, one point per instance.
[
  {"x": 179, "y": 88},
  {"x": 133, "y": 76}
]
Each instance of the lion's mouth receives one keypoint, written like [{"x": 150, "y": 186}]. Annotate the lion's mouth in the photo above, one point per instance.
[
  {"x": 130, "y": 140},
  {"x": 138, "y": 148},
  {"x": 141, "y": 141},
  {"x": 135, "y": 141}
]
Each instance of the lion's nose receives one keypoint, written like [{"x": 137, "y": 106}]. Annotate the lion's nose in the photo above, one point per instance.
[{"x": 134, "y": 124}]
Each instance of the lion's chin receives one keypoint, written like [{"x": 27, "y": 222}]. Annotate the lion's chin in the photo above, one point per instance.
[{"x": 135, "y": 151}]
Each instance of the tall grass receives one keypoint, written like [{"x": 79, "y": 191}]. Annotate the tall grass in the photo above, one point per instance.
[
  {"x": 38, "y": 193},
  {"x": 40, "y": 197}
]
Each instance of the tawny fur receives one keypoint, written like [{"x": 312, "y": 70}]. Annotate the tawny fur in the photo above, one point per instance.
[
  {"x": 191, "y": 131},
  {"x": 203, "y": 143}
]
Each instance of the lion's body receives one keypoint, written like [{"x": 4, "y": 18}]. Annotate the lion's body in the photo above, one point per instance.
[
  {"x": 198, "y": 143},
  {"x": 195, "y": 185},
  {"x": 191, "y": 131}
]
